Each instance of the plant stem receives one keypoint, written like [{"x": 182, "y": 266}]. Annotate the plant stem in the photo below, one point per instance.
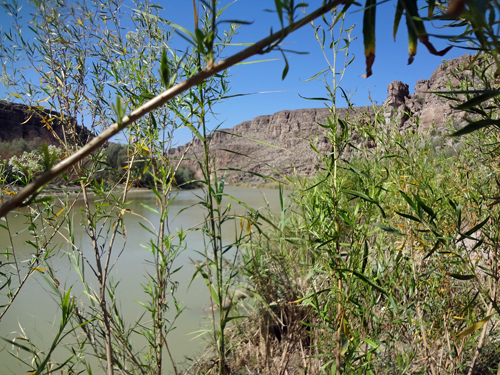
[{"x": 157, "y": 102}]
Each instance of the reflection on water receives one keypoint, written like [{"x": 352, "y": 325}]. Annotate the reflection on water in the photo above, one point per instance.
[{"x": 36, "y": 311}]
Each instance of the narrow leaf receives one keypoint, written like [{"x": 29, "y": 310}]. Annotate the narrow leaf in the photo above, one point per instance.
[
  {"x": 412, "y": 40},
  {"x": 369, "y": 34},
  {"x": 462, "y": 277},
  {"x": 389, "y": 229},
  {"x": 149, "y": 208},
  {"x": 473, "y": 328},
  {"x": 365, "y": 279},
  {"x": 473, "y": 126},
  {"x": 477, "y": 100},
  {"x": 361, "y": 195},
  {"x": 397, "y": 18}
]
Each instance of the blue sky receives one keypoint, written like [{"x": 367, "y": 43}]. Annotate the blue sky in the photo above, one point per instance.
[{"x": 390, "y": 63}]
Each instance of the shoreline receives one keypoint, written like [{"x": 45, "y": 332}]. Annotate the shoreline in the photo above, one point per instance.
[{"x": 57, "y": 191}]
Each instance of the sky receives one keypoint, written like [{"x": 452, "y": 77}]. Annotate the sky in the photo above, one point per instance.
[{"x": 390, "y": 62}]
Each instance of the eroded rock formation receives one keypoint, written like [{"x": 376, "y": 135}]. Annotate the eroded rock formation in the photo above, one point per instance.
[
  {"x": 246, "y": 147},
  {"x": 19, "y": 121},
  {"x": 291, "y": 131},
  {"x": 424, "y": 109}
]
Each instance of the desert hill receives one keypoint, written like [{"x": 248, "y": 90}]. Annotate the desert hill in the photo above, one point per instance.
[{"x": 290, "y": 132}]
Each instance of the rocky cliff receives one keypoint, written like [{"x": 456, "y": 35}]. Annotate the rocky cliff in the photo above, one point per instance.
[
  {"x": 278, "y": 143},
  {"x": 19, "y": 121},
  {"x": 268, "y": 144},
  {"x": 425, "y": 109},
  {"x": 290, "y": 132}
]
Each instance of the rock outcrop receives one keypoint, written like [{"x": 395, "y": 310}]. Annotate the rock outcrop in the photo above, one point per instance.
[
  {"x": 290, "y": 132},
  {"x": 279, "y": 143},
  {"x": 425, "y": 109},
  {"x": 397, "y": 94},
  {"x": 274, "y": 144},
  {"x": 19, "y": 121}
]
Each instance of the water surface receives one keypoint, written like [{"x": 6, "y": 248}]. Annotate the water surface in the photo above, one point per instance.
[{"x": 35, "y": 312}]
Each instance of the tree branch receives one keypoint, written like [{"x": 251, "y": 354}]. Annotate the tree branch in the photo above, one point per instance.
[{"x": 158, "y": 101}]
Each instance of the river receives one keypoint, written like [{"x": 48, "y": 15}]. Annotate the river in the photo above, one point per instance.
[{"x": 35, "y": 312}]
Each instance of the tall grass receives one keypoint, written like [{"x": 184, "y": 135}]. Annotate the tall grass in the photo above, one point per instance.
[
  {"x": 388, "y": 267},
  {"x": 385, "y": 262}
]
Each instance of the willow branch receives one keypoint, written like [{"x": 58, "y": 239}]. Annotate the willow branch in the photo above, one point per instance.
[{"x": 158, "y": 101}]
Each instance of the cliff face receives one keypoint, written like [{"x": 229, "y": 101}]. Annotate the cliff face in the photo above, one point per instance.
[
  {"x": 18, "y": 121},
  {"x": 292, "y": 131},
  {"x": 278, "y": 142},
  {"x": 424, "y": 109}
]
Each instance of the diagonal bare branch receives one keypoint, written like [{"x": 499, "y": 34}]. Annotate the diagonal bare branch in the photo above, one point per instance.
[{"x": 158, "y": 101}]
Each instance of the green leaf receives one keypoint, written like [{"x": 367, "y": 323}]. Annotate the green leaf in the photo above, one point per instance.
[
  {"x": 149, "y": 208},
  {"x": 251, "y": 172},
  {"x": 365, "y": 258},
  {"x": 431, "y": 5},
  {"x": 25, "y": 348},
  {"x": 390, "y": 156},
  {"x": 286, "y": 68},
  {"x": 477, "y": 100},
  {"x": 316, "y": 75},
  {"x": 433, "y": 250},
  {"x": 322, "y": 99},
  {"x": 389, "y": 229},
  {"x": 462, "y": 277},
  {"x": 397, "y": 18},
  {"x": 474, "y": 229},
  {"x": 371, "y": 343},
  {"x": 235, "y": 317},
  {"x": 195, "y": 131},
  {"x": 164, "y": 69},
  {"x": 426, "y": 208},
  {"x": 255, "y": 62},
  {"x": 411, "y": 217},
  {"x": 311, "y": 295},
  {"x": 361, "y": 195},
  {"x": 476, "y": 125},
  {"x": 365, "y": 279},
  {"x": 214, "y": 294},
  {"x": 369, "y": 34},
  {"x": 417, "y": 25},
  {"x": 412, "y": 40},
  {"x": 408, "y": 200}
]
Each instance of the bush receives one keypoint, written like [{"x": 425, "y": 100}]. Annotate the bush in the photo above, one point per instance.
[
  {"x": 30, "y": 164},
  {"x": 184, "y": 178}
]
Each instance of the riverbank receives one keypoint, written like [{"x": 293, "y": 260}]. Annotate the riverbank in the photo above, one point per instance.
[{"x": 73, "y": 191}]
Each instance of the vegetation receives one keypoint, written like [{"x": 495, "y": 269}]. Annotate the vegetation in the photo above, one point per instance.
[
  {"x": 387, "y": 267},
  {"x": 23, "y": 165},
  {"x": 384, "y": 263},
  {"x": 17, "y": 147},
  {"x": 115, "y": 159}
]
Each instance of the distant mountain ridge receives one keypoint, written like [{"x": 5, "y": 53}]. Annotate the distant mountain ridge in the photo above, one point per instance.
[{"x": 290, "y": 132}]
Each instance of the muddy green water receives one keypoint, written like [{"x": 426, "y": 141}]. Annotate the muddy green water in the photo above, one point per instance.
[{"x": 35, "y": 312}]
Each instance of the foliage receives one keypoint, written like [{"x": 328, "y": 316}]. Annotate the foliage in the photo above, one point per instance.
[
  {"x": 384, "y": 263},
  {"x": 29, "y": 164},
  {"x": 412, "y": 238},
  {"x": 17, "y": 147}
]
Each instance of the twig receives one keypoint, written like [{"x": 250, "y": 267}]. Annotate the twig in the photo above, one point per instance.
[{"x": 158, "y": 101}]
